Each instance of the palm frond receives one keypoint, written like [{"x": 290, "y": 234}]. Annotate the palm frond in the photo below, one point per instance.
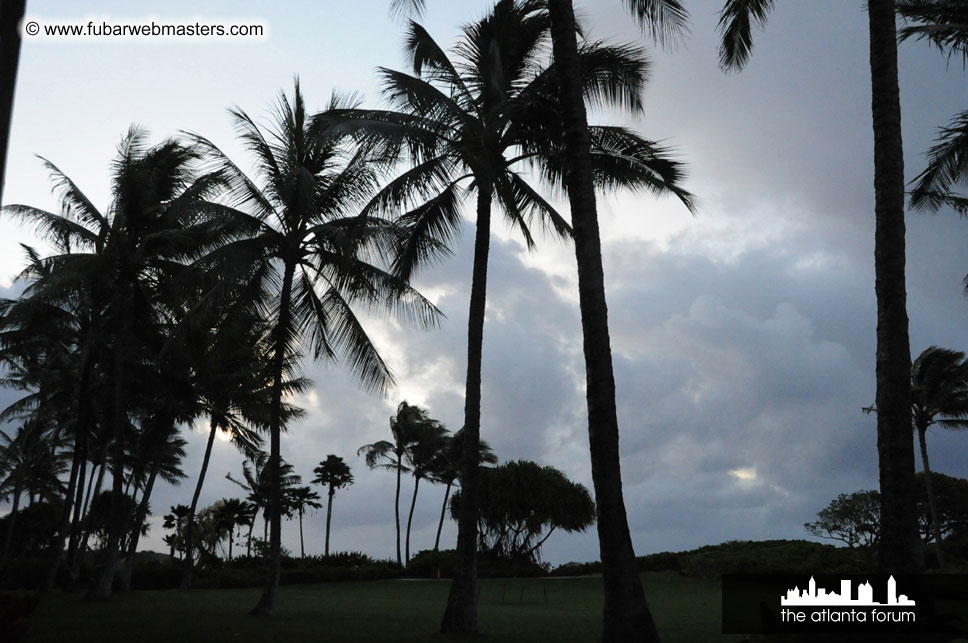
[
  {"x": 665, "y": 20},
  {"x": 947, "y": 167},
  {"x": 736, "y": 22}
]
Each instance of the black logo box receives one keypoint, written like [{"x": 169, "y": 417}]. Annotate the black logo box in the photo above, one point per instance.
[{"x": 751, "y": 605}]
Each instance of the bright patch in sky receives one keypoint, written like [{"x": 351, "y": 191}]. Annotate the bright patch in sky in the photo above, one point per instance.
[{"x": 745, "y": 474}]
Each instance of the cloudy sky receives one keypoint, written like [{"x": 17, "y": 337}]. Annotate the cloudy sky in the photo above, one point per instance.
[{"x": 743, "y": 338}]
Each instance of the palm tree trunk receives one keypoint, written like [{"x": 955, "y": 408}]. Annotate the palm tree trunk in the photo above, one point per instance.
[
  {"x": 248, "y": 540},
  {"x": 413, "y": 503},
  {"x": 302, "y": 547},
  {"x": 124, "y": 578},
  {"x": 268, "y": 598},
  {"x": 626, "y": 615},
  {"x": 329, "y": 516},
  {"x": 396, "y": 506},
  {"x": 460, "y": 617},
  {"x": 231, "y": 538},
  {"x": 101, "y": 589},
  {"x": 64, "y": 524},
  {"x": 900, "y": 546},
  {"x": 85, "y": 522},
  {"x": 187, "y": 570},
  {"x": 75, "y": 527},
  {"x": 11, "y": 520},
  {"x": 443, "y": 511},
  {"x": 11, "y": 13},
  {"x": 929, "y": 487}
]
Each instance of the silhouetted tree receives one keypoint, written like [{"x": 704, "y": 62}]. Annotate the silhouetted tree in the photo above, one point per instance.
[{"x": 333, "y": 473}]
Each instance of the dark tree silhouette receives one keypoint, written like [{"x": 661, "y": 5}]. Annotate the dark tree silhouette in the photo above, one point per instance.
[
  {"x": 900, "y": 548},
  {"x": 333, "y": 473}
]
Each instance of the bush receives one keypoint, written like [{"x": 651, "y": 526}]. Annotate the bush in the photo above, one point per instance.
[
  {"x": 773, "y": 557},
  {"x": 428, "y": 563},
  {"x": 156, "y": 575},
  {"x": 665, "y": 561}
]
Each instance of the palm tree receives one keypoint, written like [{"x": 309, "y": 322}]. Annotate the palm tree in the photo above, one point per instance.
[
  {"x": 233, "y": 513},
  {"x": 302, "y": 499},
  {"x": 175, "y": 521},
  {"x": 478, "y": 122},
  {"x": 257, "y": 480},
  {"x": 944, "y": 23},
  {"x": 301, "y": 250},
  {"x": 423, "y": 456},
  {"x": 30, "y": 463},
  {"x": 406, "y": 427},
  {"x": 229, "y": 366},
  {"x": 335, "y": 474},
  {"x": 156, "y": 223},
  {"x": 900, "y": 546},
  {"x": 446, "y": 470},
  {"x": 159, "y": 453},
  {"x": 939, "y": 392}
]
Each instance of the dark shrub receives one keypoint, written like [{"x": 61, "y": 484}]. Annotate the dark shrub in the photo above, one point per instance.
[
  {"x": 427, "y": 564},
  {"x": 156, "y": 575}
]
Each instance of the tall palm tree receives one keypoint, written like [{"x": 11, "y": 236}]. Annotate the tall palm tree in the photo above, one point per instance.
[
  {"x": 334, "y": 474},
  {"x": 446, "y": 470},
  {"x": 302, "y": 499},
  {"x": 473, "y": 125},
  {"x": 900, "y": 546},
  {"x": 423, "y": 458},
  {"x": 406, "y": 427},
  {"x": 299, "y": 243},
  {"x": 939, "y": 392}
]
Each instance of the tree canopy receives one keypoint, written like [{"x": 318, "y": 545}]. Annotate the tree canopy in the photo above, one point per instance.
[{"x": 522, "y": 503}]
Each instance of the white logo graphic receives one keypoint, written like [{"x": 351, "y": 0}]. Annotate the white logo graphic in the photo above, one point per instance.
[{"x": 814, "y": 595}]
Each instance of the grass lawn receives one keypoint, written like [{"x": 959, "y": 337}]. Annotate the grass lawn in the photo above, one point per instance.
[{"x": 526, "y": 610}]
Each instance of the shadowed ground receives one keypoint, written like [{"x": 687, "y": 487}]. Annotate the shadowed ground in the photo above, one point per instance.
[{"x": 526, "y": 610}]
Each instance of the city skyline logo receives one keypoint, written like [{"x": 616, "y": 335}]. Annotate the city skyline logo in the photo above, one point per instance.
[{"x": 818, "y": 596}]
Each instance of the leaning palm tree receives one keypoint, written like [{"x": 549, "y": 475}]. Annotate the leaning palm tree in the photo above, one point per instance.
[
  {"x": 939, "y": 392},
  {"x": 900, "y": 545},
  {"x": 423, "y": 456},
  {"x": 334, "y": 474},
  {"x": 300, "y": 249},
  {"x": 475, "y": 125},
  {"x": 406, "y": 426}
]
